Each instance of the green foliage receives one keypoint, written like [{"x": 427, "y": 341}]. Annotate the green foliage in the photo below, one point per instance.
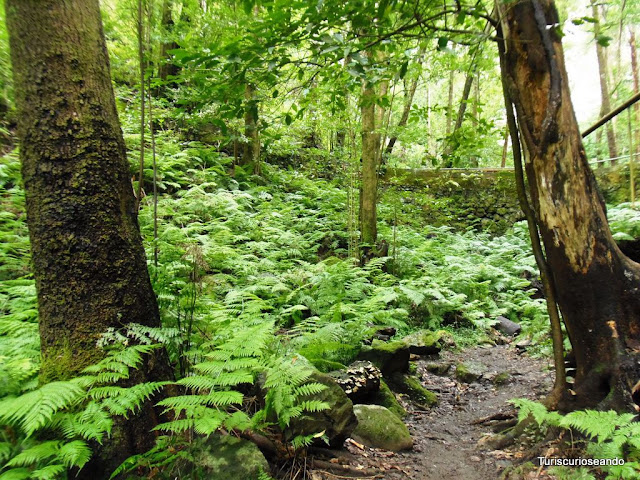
[
  {"x": 610, "y": 435},
  {"x": 73, "y": 412},
  {"x": 624, "y": 221}
]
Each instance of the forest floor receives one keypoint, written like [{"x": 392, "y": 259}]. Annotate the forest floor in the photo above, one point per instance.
[{"x": 446, "y": 437}]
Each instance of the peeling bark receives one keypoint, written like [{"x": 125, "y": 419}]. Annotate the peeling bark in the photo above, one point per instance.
[{"x": 597, "y": 286}]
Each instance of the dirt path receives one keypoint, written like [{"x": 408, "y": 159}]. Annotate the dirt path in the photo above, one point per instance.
[{"x": 445, "y": 438}]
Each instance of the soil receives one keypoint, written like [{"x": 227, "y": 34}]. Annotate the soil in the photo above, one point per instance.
[{"x": 446, "y": 436}]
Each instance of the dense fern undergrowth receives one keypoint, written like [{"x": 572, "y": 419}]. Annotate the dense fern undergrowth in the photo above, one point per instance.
[{"x": 254, "y": 279}]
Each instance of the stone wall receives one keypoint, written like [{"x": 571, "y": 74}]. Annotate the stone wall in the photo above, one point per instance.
[{"x": 484, "y": 199}]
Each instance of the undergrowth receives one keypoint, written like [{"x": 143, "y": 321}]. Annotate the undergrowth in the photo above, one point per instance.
[
  {"x": 597, "y": 435},
  {"x": 252, "y": 274}
]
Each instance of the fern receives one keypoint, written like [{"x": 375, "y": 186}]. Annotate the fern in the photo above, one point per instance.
[{"x": 612, "y": 435}]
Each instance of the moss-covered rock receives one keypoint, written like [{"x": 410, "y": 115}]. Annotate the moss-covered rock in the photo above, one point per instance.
[
  {"x": 411, "y": 386},
  {"x": 386, "y": 398},
  {"x": 228, "y": 458},
  {"x": 380, "y": 428},
  {"x": 469, "y": 372},
  {"x": 438, "y": 368},
  {"x": 337, "y": 422},
  {"x": 501, "y": 378},
  {"x": 427, "y": 342},
  {"x": 389, "y": 357}
]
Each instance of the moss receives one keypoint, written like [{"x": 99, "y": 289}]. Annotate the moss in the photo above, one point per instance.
[
  {"x": 438, "y": 368},
  {"x": 418, "y": 393},
  {"x": 386, "y": 398},
  {"x": 470, "y": 372},
  {"x": 229, "y": 458},
  {"x": 379, "y": 428},
  {"x": 389, "y": 357},
  {"x": 388, "y": 347},
  {"x": 325, "y": 365},
  {"x": 61, "y": 362},
  {"x": 501, "y": 378}
]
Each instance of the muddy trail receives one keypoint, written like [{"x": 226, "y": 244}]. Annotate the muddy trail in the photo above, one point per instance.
[{"x": 450, "y": 439}]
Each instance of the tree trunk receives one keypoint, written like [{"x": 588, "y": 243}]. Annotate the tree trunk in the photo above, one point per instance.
[
  {"x": 88, "y": 260},
  {"x": 597, "y": 286},
  {"x": 605, "y": 106},
  {"x": 251, "y": 153},
  {"x": 636, "y": 88},
  {"x": 167, "y": 67},
  {"x": 370, "y": 149},
  {"x": 450, "y": 103},
  {"x": 142, "y": 68},
  {"x": 406, "y": 110}
]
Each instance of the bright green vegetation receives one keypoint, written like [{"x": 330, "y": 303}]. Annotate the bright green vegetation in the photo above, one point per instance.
[
  {"x": 602, "y": 435},
  {"x": 256, "y": 264},
  {"x": 240, "y": 259}
]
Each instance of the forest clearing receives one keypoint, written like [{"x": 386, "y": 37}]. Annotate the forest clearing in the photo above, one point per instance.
[{"x": 317, "y": 240}]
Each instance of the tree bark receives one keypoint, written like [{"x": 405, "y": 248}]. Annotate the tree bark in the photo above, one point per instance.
[
  {"x": 88, "y": 259},
  {"x": 408, "y": 102},
  {"x": 450, "y": 103},
  {"x": 167, "y": 67},
  {"x": 596, "y": 285},
  {"x": 605, "y": 106},
  {"x": 251, "y": 152},
  {"x": 142, "y": 68},
  {"x": 370, "y": 149},
  {"x": 636, "y": 88}
]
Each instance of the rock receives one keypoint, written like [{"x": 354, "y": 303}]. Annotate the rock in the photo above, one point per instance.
[
  {"x": 470, "y": 371},
  {"x": 424, "y": 342},
  {"x": 386, "y": 398},
  {"x": 522, "y": 345},
  {"x": 438, "y": 368},
  {"x": 411, "y": 386},
  {"x": 228, "y": 458},
  {"x": 501, "y": 378},
  {"x": 385, "y": 333},
  {"x": 379, "y": 428},
  {"x": 389, "y": 357},
  {"x": 361, "y": 380},
  {"x": 507, "y": 327},
  {"x": 337, "y": 422}
]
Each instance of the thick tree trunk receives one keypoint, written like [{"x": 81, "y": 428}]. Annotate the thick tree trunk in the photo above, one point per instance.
[
  {"x": 605, "y": 106},
  {"x": 88, "y": 260},
  {"x": 370, "y": 149},
  {"x": 597, "y": 286}
]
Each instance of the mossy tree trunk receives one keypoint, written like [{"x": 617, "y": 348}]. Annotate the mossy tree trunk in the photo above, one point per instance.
[
  {"x": 597, "y": 287},
  {"x": 251, "y": 151},
  {"x": 88, "y": 259},
  {"x": 370, "y": 153}
]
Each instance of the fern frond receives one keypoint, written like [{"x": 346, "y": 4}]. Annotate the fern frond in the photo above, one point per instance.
[{"x": 34, "y": 409}]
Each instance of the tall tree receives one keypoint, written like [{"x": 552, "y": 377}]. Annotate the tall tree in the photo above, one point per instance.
[
  {"x": 167, "y": 67},
  {"x": 251, "y": 152},
  {"x": 88, "y": 259},
  {"x": 409, "y": 94},
  {"x": 595, "y": 284},
  {"x": 603, "y": 68},
  {"x": 370, "y": 153}
]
